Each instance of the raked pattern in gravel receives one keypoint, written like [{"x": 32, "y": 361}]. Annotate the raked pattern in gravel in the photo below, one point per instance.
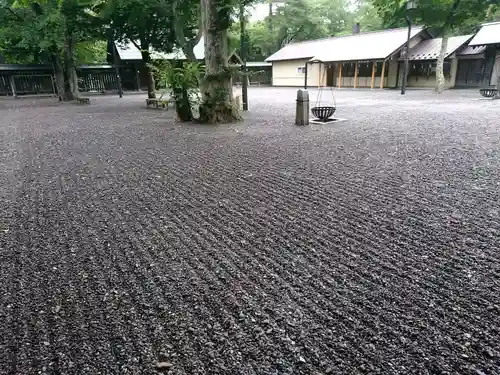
[{"x": 131, "y": 244}]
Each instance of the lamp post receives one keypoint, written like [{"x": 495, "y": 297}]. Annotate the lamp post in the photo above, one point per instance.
[{"x": 410, "y": 5}]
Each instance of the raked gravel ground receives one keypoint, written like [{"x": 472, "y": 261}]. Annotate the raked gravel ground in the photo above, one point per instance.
[{"x": 129, "y": 242}]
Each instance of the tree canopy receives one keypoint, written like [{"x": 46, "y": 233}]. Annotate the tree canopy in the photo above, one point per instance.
[
  {"x": 446, "y": 17},
  {"x": 299, "y": 20},
  {"x": 457, "y": 16}
]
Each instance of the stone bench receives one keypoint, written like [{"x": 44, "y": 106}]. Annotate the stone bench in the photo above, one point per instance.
[
  {"x": 158, "y": 103},
  {"x": 83, "y": 100}
]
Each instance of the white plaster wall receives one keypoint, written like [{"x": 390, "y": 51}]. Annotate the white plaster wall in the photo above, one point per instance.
[{"x": 285, "y": 73}]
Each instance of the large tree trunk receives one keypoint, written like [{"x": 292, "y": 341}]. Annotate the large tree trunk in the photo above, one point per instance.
[
  {"x": 440, "y": 80},
  {"x": 186, "y": 45},
  {"x": 59, "y": 77},
  {"x": 71, "y": 78},
  {"x": 146, "y": 58},
  {"x": 182, "y": 105},
  {"x": 217, "y": 88},
  {"x": 62, "y": 84}
]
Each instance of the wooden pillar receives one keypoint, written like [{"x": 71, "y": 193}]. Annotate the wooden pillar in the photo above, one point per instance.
[
  {"x": 305, "y": 77},
  {"x": 137, "y": 77},
  {"x": 340, "y": 76},
  {"x": 382, "y": 75},
  {"x": 374, "y": 69},
  {"x": 13, "y": 86},
  {"x": 319, "y": 75},
  {"x": 119, "y": 81},
  {"x": 355, "y": 74}
]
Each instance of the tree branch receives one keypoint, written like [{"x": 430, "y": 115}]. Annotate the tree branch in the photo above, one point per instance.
[
  {"x": 153, "y": 29},
  {"x": 451, "y": 15},
  {"x": 200, "y": 32},
  {"x": 187, "y": 46}
]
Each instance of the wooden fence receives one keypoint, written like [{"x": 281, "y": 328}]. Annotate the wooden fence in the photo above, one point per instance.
[
  {"x": 17, "y": 80},
  {"x": 23, "y": 80}
]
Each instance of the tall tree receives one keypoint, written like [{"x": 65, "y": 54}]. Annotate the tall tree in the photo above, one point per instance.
[
  {"x": 298, "y": 20},
  {"x": 217, "y": 92},
  {"x": 301, "y": 20},
  {"x": 186, "y": 21},
  {"x": 336, "y": 15},
  {"x": 367, "y": 16},
  {"x": 50, "y": 31},
  {"x": 147, "y": 24},
  {"x": 16, "y": 44},
  {"x": 446, "y": 16},
  {"x": 91, "y": 52}
]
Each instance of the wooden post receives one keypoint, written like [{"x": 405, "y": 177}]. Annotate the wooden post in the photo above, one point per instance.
[
  {"x": 13, "y": 86},
  {"x": 305, "y": 77},
  {"x": 137, "y": 77},
  {"x": 382, "y": 76},
  {"x": 340, "y": 76},
  {"x": 374, "y": 68},
  {"x": 319, "y": 75},
  {"x": 355, "y": 74},
  {"x": 119, "y": 78}
]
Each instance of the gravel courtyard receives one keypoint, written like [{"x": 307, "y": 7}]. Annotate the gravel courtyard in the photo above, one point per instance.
[{"x": 132, "y": 244}]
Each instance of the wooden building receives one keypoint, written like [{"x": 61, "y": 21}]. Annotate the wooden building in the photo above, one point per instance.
[{"x": 376, "y": 60}]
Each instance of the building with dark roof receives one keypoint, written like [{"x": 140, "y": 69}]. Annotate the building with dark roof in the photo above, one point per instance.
[{"x": 375, "y": 59}]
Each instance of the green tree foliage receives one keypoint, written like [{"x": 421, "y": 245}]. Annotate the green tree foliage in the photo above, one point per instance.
[
  {"x": 300, "y": 20},
  {"x": 493, "y": 13},
  {"x": 367, "y": 16},
  {"x": 450, "y": 16},
  {"x": 144, "y": 23},
  {"x": 15, "y": 43},
  {"x": 335, "y": 16},
  {"x": 91, "y": 52},
  {"x": 187, "y": 26},
  {"x": 49, "y": 31},
  {"x": 159, "y": 25},
  {"x": 182, "y": 80}
]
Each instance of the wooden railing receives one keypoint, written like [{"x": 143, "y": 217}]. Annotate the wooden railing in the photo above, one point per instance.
[{"x": 23, "y": 80}]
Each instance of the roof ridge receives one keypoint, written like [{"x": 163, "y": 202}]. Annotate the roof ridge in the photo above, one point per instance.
[
  {"x": 351, "y": 35},
  {"x": 440, "y": 38},
  {"x": 490, "y": 23}
]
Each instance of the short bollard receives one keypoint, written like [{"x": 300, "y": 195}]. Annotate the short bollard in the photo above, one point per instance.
[{"x": 302, "y": 108}]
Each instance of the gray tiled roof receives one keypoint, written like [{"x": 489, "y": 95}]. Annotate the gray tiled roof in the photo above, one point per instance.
[
  {"x": 429, "y": 49},
  {"x": 471, "y": 50},
  {"x": 488, "y": 34},
  {"x": 128, "y": 51},
  {"x": 363, "y": 46}
]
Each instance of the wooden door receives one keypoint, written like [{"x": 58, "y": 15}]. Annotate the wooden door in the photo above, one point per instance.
[
  {"x": 330, "y": 75},
  {"x": 470, "y": 73}
]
